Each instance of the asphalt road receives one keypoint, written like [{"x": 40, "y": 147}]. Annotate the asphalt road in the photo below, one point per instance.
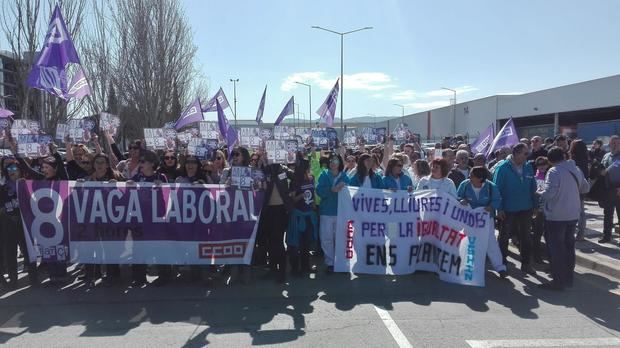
[{"x": 332, "y": 310}]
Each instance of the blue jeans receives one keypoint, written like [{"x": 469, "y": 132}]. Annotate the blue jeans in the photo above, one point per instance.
[{"x": 560, "y": 237}]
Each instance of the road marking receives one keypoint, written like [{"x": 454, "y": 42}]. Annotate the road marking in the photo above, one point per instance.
[
  {"x": 573, "y": 342},
  {"x": 390, "y": 324}
]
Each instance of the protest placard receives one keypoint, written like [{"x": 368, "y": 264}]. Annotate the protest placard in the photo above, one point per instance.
[
  {"x": 109, "y": 123},
  {"x": 24, "y": 127},
  {"x": 350, "y": 138},
  {"x": 62, "y": 130},
  {"x": 209, "y": 130},
  {"x": 283, "y": 132},
  {"x": 241, "y": 178},
  {"x": 281, "y": 151},
  {"x": 5, "y": 125},
  {"x": 201, "y": 148},
  {"x": 154, "y": 139},
  {"x": 250, "y": 137},
  {"x": 34, "y": 146}
]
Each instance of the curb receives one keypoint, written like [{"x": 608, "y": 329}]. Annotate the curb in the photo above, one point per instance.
[{"x": 607, "y": 268}]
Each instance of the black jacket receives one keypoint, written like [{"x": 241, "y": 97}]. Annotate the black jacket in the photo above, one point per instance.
[{"x": 278, "y": 176}]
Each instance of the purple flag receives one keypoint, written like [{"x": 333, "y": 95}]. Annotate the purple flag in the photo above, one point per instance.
[
  {"x": 79, "y": 86},
  {"x": 49, "y": 72},
  {"x": 5, "y": 113},
  {"x": 227, "y": 131},
  {"x": 327, "y": 110},
  {"x": 191, "y": 114},
  {"x": 481, "y": 145},
  {"x": 261, "y": 107},
  {"x": 219, "y": 97},
  {"x": 507, "y": 136},
  {"x": 289, "y": 109}
]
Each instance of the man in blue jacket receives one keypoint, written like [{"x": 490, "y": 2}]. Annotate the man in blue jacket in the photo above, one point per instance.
[{"x": 514, "y": 178}]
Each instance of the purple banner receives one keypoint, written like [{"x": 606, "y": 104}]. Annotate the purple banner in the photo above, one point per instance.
[{"x": 94, "y": 222}]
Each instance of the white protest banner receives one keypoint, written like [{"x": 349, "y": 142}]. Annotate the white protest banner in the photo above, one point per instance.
[
  {"x": 381, "y": 232},
  {"x": 109, "y": 123},
  {"x": 283, "y": 132},
  {"x": 6, "y": 153},
  {"x": 209, "y": 130},
  {"x": 241, "y": 177},
  {"x": 24, "y": 127},
  {"x": 250, "y": 137},
  {"x": 281, "y": 151},
  {"x": 35, "y": 146},
  {"x": 373, "y": 135},
  {"x": 154, "y": 139}
]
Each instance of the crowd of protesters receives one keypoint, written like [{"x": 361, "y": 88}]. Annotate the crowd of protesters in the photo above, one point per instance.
[{"x": 534, "y": 190}]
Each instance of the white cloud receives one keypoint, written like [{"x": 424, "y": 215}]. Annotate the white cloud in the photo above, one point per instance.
[
  {"x": 368, "y": 81},
  {"x": 428, "y": 105},
  {"x": 446, "y": 93},
  {"x": 407, "y": 94}
]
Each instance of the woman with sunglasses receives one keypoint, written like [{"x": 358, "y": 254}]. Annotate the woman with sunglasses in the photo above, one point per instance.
[
  {"x": 394, "y": 178},
  {"x": 102, "y": 172},
  {"x": 240, "y": 158},
  {"x": 52, "y": 169},
  {"x": 11, "y": 228},
  {"x": 365, "y": 176},
  {"x": 170, "y": 165},
  {"x": 191, "y": 172},
  {"x": 130, "y": 166},
  {"x": 219, "y": 163},
  {"x": 149, "y": 163},
  {"x": 331, "y": 181},
  {"x": 479, "y": 191},
  {"x": 350, "y": 164}
]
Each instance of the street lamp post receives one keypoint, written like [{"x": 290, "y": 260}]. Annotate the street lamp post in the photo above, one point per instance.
[
  {"x": 295, "y": 122},
  {"x": 341, "y": 68},
  {"x": 402, "y": 116},
  {"x": 309, "y": 100},
  {"x": 453, "y": 110},
  {"x": 234, "y": 81}
]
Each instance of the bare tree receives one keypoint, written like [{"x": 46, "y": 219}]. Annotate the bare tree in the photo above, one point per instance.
[
  {"x": 20, "y": 27},
  {"x": 154, "y": 56}
]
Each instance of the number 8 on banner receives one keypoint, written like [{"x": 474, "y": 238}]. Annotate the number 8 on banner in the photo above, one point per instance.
[{"x": 52, "y": 217}]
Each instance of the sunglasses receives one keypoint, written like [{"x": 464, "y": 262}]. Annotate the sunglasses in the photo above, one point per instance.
[
  {"x": 85, "y": 162},
  {"x": 236, "y": 154},
  {"x": 169, "y": 158},
  {"x": 399, "y": 165},
  {"x": 100, "y": 162},
  {"x": 218, "y": 158},
  {"x": 12, "y": 168}
]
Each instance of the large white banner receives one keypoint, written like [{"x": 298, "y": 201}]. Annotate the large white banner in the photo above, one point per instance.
[{"x": 382, "y": 232}]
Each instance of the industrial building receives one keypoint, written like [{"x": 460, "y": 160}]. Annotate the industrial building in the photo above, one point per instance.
[{"x": 587, "y": 110}]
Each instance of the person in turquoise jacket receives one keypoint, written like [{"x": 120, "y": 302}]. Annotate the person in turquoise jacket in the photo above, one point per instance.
[
  {"x": 364, "y": 176},
  {"x": 478, "y": 191},
  {"x": 514, "y": 178},
  {"x": 394, "y": 178},
  {"x": 331, "y": 181}
]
